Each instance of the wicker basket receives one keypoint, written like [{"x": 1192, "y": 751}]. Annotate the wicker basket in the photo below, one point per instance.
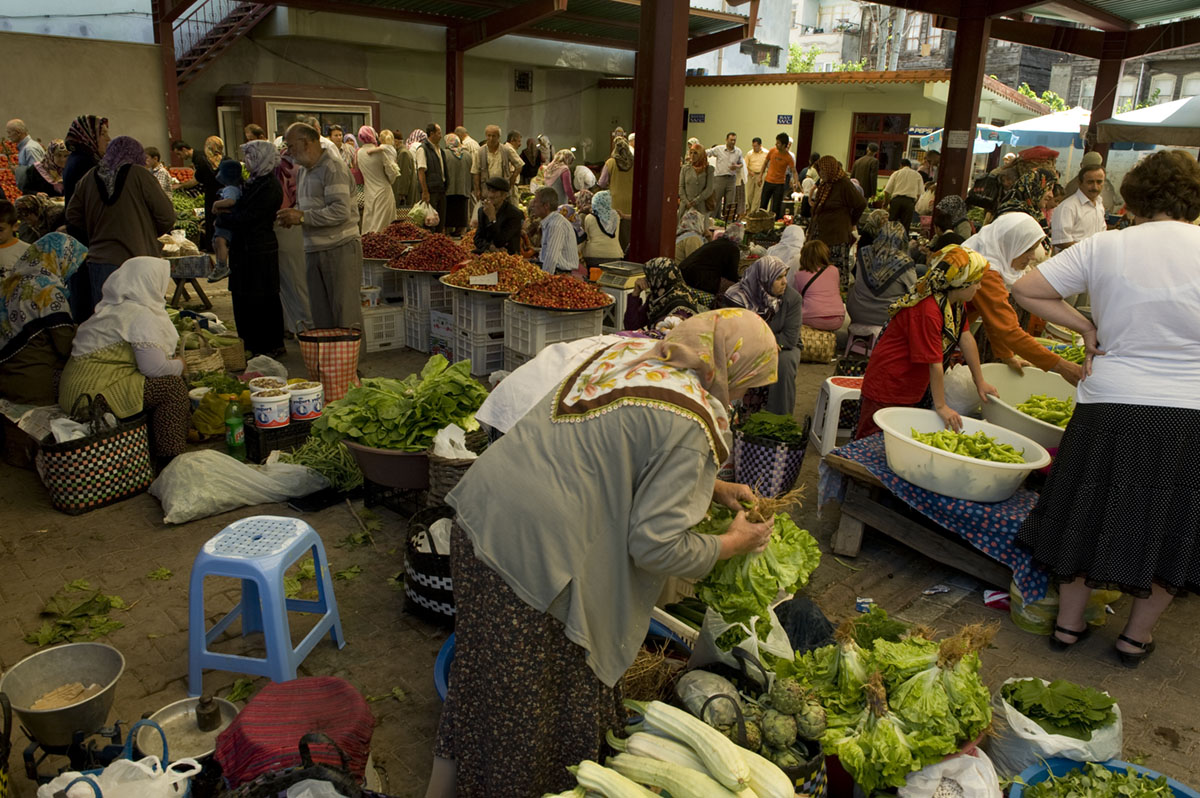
[
  {"x": 234, "y": 356},
  {"x": 202, "y": 360},
  {"x": 445, "y": 473},
  {"x": 760, "y": 224}
]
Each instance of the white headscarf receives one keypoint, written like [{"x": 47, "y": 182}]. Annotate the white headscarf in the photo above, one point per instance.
[
  {"x": 133, "y": 310},
  {"x": 788, "y": 248},
  {"x": 1005, "y": 240}
]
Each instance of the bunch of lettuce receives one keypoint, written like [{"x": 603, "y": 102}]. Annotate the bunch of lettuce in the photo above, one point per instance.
[
  {"x": 742, "y": 587},
  {"x": 405, "y": 414}
]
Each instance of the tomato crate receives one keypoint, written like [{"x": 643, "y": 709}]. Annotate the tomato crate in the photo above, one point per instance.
[
  {"x": 416, "y": 328},
  {"x": 514, "y": 360},
  {"x": 376, "y": 272},
  {"x": 486, "y": 351},
  {"x": 478, "y": 313},
  {"x": 426, "y": 292},
  {"x": 383, "y": 328},
  {"x": 528, "y": 331}
]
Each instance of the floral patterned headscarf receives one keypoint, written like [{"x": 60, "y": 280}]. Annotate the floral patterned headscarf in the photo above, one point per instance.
[
  {"x": 34, "y": 296},
  {"x": 668, "y": 292},
  {"x": 1026, "y": 196},
  {"x": 691, "y": 373},
  {"x": 949, "y": 268},
  {"x": 830, "y": 170},
  {"x": 122, "y": 151},
  {"x": 48, "y": 168},
  {"x": 214, "y": 150},
  {"x": 84, "y": 134},
  {"x": 261, "y": 157}
]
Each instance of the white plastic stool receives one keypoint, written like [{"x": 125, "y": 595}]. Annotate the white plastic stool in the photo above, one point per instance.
[
  {"x": 825, "y": 430},
  {"x": 866, "y": 334}
]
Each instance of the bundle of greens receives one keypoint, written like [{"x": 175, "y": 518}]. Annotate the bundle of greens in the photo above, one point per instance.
[
  {"x": 1061, "y": 707},
  {"x": 875, "y": 624},
  {"x": 1094, "y": 780},
  {"x": 774, "y": 427},
  {"x": 218, "y": 381},
  {"x": 330, "y": 459},
  {"x": 1050, "y": 409},
  {"x": 981, "y": 446},
  {"x": 742, "y": 587},
  {"x": 405, "y": 414}
]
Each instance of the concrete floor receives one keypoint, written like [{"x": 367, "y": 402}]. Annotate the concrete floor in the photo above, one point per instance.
[{"x": 115, "y": 548}]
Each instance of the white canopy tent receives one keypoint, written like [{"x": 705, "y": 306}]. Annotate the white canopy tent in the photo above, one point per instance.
[{"x": 1175, "y": 123}]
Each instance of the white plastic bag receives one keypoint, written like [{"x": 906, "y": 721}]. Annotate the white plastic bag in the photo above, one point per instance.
[
  {"x": 451, "y": 443},
  {"x": 707, "y": 651},
  {"x": 960, "y": 391},
  {"x": 199, "y": 484},
  {"x": 1019, "y": 742},
  {"x": 268, "y": 367},
  {"x": 125, "y": 778},
  {"x": 924, "y": 205},
  {"x": 973, "y": 774},
  {"x": 431, "y": 217},
  {"x": 418, "y": 212}
]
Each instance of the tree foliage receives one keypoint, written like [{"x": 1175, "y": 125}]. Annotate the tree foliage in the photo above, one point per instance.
[{"x": 1049, "y": 98}]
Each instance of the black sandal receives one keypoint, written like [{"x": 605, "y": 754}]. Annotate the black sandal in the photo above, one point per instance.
[
  {"x": 1062, "y": 645},
  {"x": 1133, "y": 660}
]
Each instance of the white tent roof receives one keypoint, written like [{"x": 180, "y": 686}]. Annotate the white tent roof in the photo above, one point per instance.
[
  {"x": 1175, "y": 123},
  {"x": 1059, "y": 129}
]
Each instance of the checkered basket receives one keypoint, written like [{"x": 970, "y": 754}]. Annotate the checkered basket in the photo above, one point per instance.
[
  {"x": 770, "y": 467},
  {"x": 331, "y": 357},
  {"x": 428, "y": 587},
  {"x": 110, "y": 464}
]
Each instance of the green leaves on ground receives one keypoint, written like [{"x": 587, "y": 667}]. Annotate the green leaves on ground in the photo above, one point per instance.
[
  {"x": 396, "y": 693},
  {"x": 369, "y": 524},
  {"x": 1093, "y": 780},
  {"x": 75, "y": 613},
  {"x": 307, "y": 572},
  {"x": 160, "y": 574},
  {"x": 241, "y": 690},
  {"x": 348, "y": 574},
  {"x": 1061, "y": 707},
  {"x": 405, "y": 414},
  {"x": 773, "y": 426}
]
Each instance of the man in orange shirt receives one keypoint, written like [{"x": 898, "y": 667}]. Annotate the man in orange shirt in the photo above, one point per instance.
[{"x": 775, "y": 175}]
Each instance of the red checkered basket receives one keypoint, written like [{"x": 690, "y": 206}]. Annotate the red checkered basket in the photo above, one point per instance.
[{"x": 331, "y": 357}]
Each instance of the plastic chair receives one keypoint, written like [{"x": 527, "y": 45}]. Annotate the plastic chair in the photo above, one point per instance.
[
  {"x": 825, "y": 429},
  {"x": 258, "y": 550},
  {"x": 865, "y": 334}
]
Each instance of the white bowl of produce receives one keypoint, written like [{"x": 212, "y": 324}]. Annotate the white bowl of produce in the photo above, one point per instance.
[
  {"x": 1015, "y": 389},
  {"x": 954, "y": 475}
]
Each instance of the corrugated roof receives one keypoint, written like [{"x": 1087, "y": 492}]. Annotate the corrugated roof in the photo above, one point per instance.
[{"x": 1139, "y": 12}]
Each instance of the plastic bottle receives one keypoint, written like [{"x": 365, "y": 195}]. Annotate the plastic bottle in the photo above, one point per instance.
[{"x": 235, "y": 431}]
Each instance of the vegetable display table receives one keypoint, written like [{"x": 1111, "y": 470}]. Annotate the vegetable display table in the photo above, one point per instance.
[
  {"x": 858, "y": 475},
  {"x": 188, "y": 269}
]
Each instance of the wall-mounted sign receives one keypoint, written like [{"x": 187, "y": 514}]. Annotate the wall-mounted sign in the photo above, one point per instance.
[
  {"x": 695, "y": 118},
  {"x": 958, "y": 139},
  {"x": 921, "y": 131},
  {"x": 783, "y": 119}
]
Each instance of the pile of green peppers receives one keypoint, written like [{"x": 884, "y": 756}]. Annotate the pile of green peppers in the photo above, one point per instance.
[
  {"x": 1074, "y": 354},
  {"x": 981, "y": 446},
  {"x": 1048, "y": 408}
]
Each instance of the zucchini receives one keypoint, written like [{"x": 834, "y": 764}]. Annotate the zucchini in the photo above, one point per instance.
[
  {"x": 722, "y": 759},
  {"x": 679, "y": 781},
  {"x": 766, "y": 778},
  {"x": 598, "y": 779},
  {"x": 653, "y": 746}
]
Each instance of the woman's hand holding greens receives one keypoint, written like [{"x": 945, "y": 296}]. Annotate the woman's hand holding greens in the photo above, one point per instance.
[{"x": 744, "y": 537}]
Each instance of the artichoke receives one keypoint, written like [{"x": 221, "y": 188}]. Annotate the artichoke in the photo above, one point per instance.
[
  {"x": 783, "y": 757},
  {"x": 779, "y": 730},
  {"x": 810, "y": 720},
  {"x": 788, "y": 696},
  {"x": 754, "y": 736}
]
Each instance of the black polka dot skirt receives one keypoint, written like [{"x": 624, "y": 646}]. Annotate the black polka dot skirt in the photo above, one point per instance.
[{"x": 1121, "y": 506}]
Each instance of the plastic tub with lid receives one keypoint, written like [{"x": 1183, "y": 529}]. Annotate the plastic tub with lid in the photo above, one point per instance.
[
  {"x": 954, "y": 475},
  {"x": 1014, "y": 389}
]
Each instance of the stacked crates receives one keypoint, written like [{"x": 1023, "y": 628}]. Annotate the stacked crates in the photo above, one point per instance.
[
  {"x": 528, "y": 331},
  {"x": 376, "y": 272},
  {"x": 479, "y": 330},
  {"x": 423, "y": 293},
  {"x": 383, "y": 327}
]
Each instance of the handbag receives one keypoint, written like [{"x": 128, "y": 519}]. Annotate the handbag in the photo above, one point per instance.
[
  {"x": 202, "y": 360},
  {"x": 817, "y": 346},
  {"x": 331, "y": 357},
  {"x": 769, "y": 466},
  {"x": 108, "y": 465}
]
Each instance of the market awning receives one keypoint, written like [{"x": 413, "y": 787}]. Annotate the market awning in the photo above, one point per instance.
[
  {"x": 1060, "y": 129},
  {"x": 1175, "y": 123},
  {"x": 987, "y": 138}
]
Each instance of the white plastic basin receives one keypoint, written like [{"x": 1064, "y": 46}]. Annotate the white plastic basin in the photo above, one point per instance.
[
  {"x": 1014, "y": 389},
  {"x": 950, "y": 474}
]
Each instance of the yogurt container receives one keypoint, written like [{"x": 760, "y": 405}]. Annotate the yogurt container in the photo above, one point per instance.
[
  {"x": 370, "y": 295},
  {"x": 196, "y": 394},
  {"x": 308, "y": 398},
  {"x": 272, "y": 408},
  {"x": 266, "y": 384}
]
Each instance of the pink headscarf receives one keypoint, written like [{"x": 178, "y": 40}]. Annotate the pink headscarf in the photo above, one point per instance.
[{"x": 367, "y": 135}]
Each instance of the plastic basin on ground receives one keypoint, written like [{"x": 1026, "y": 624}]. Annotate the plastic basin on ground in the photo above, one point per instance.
[
  {"x": 954, "y": 475},
  {"x": 1038, "y": 773},
  {"x": 1014, "y": 389}
]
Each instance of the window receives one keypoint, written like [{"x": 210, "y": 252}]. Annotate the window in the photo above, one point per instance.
[
  {"x": 889, "y": 131},
  {"x": 1087, "y": 89},
  {"x": 1191, "y": 85},
  {"x": 1125, "y": 91},
  {"x": 760, "y": 53},
  {"x": 935, "y": 38},
  {"x": 833, "y": 17},
  {"x": 1165, "y": 86},
  {"x": 522, "y": 80},
  {"x": 912, "y": 33}
]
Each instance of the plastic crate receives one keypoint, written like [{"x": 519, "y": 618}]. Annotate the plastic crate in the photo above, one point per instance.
[
  {"x": 514, "y": 360},
  {"x": 614, "y": 314},
  {"x": 478, "y": 313},
  {"x": 416, "y": 328},
  {"x": 383, "y": 328},
  {"x": 486, "y": 351},
  {"x": 426, "y": 292},
  {"x": 441, "y": 325},
  {"x": 261, "y": 442},
  {"x": 389, "y": 280},
  {"x": 530, "y": 330}
]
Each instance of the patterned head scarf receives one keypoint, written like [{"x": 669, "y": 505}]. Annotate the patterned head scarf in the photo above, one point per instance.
[
  {"x": 561, "y": 163},
  {"x": 453, "y": 144},
  {"x": 753, "y": 291},
  {"x": 545, "y": 147},
  {"x": 691, "y": 373},
  {"x": 416, "y": 138},
  {"x": 84, "y": 134},
  {"x": 36, "y": 205},
  {"x": 348, "y": 141},
  {"x": 602, "y": 209},
  {"x": 953, "y": 206},
  {"x": 830, "y": 171},
  {"x": 669, "y": 293},
  {"x": 261, "y": 158},
  {"x": 949, "y": 268},
  {"x": 122, "y": 151},
  {"x": 692, "y": 224},
  {"x": 1026, "y": 196},
  {"x": 621, "y": 154},
  {"x": 698, "y": 158},
  {"x": 214, "y": 150},
  {"x": 48, "y": 169},
  {"x": 886, "y": 258},
  {"x": 583, "y": 201},
  {"x": 34, "y": 296},
  {"x": 367, "y": 135}
]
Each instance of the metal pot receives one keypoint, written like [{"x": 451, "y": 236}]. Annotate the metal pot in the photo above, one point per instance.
[
  {"x": 184, "y": 738},
  {"x": 38, "y": 674}
]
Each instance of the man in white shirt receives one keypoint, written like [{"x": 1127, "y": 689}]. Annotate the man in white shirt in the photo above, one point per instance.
[
  {"x": 725, "y": 170},
  {"x": 29, "y": 152},
  {"x": 903, "y": 189},
  {"x": 493, "y": 160},
  {"x": 560, "y": 250},
  {"x": 469, "y": 144},
  {"x": 1080, "y": 215}
]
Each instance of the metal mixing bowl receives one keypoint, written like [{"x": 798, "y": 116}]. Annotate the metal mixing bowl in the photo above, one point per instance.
[{"x": 38, "y": 674}]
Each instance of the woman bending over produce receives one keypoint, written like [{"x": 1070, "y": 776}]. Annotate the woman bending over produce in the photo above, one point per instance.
[
  {"x": 914, "y": 351},
  {"x": 1121, "y": 507},
  {"x": 556, "y": 571}
]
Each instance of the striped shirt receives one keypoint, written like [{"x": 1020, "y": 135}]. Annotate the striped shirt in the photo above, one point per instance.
[
  {"x": 163, "y": 176},
  {"x": 325, "y": 194},
  {"x": 560, "y": 252}
]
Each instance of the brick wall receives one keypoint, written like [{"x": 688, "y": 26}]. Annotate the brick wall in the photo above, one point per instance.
[{"x": 1012, "y": 64}]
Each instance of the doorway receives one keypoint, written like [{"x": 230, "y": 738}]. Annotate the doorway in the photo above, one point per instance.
[{"x": 804, "y": 139}]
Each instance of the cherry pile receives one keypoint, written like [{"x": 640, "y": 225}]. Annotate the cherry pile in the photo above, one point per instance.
[
  {"x": 563, "y": 292},
  {"x": 381, "y": 245},
  {"x": 404, "y": 231},
  {"x": 437, "y": 253},
  {"x": 512, "y": 272}
]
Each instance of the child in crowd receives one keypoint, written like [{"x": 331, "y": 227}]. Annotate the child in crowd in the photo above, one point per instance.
[
  {"x": 927, "y": 324},
  {"x": 229, "y": 174},
  {"x": 11, "y": 247}
]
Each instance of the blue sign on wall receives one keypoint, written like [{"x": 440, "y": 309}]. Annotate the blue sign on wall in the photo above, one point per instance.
[
  {"x": 783, "y": 119},
  {"x": 695, "y": 118}
]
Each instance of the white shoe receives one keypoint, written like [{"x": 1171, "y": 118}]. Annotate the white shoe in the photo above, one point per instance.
[{"x": 219, "y": 272}]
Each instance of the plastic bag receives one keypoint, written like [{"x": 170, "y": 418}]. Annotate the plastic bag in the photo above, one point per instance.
[
  {"x": 1019, "y": 742},
  {"x": 313, "y": 788},
  {"x": 451, "y": 444},
  {"x": 959, "y": 388},
  {"x": 418, "y": 212},
  {"x": 971, "y": 773},
  {"x": 267, "y": 367},
  {"x": 199, "y": 484},
  {"x": 924, "y": 205},
  {"x": 125, "y": 778},
  {"x": 209, "y": 417},
  {"x": 694, "y": 688},
  {"x": 707, "y": 650},
  {"x": 806, "y": 626},
  {"x": 1039, "y": 617}
]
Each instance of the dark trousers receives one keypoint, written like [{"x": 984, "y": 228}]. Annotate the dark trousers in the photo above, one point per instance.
[
  {"x": 87, "y": 288},
  {"x": 773, "y": 193},
  {"x": 901, "y": 210},
  {"x": 438, "y": 200}
]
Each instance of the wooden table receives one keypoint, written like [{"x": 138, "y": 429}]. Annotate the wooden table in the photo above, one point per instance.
[
  {"x": 181, "y": 294},
  {"x": 189, "y": 269},
  {"x": 862, "y": 508}
]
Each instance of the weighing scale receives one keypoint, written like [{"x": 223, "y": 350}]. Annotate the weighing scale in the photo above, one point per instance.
[{"x": 620, "y": 274}]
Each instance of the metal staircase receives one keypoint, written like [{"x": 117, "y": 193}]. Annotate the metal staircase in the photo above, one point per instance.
[{"x": 211, "y": 27}]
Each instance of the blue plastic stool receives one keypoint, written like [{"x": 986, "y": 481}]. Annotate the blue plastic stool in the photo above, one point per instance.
[{"x": 258, "y": 550}]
